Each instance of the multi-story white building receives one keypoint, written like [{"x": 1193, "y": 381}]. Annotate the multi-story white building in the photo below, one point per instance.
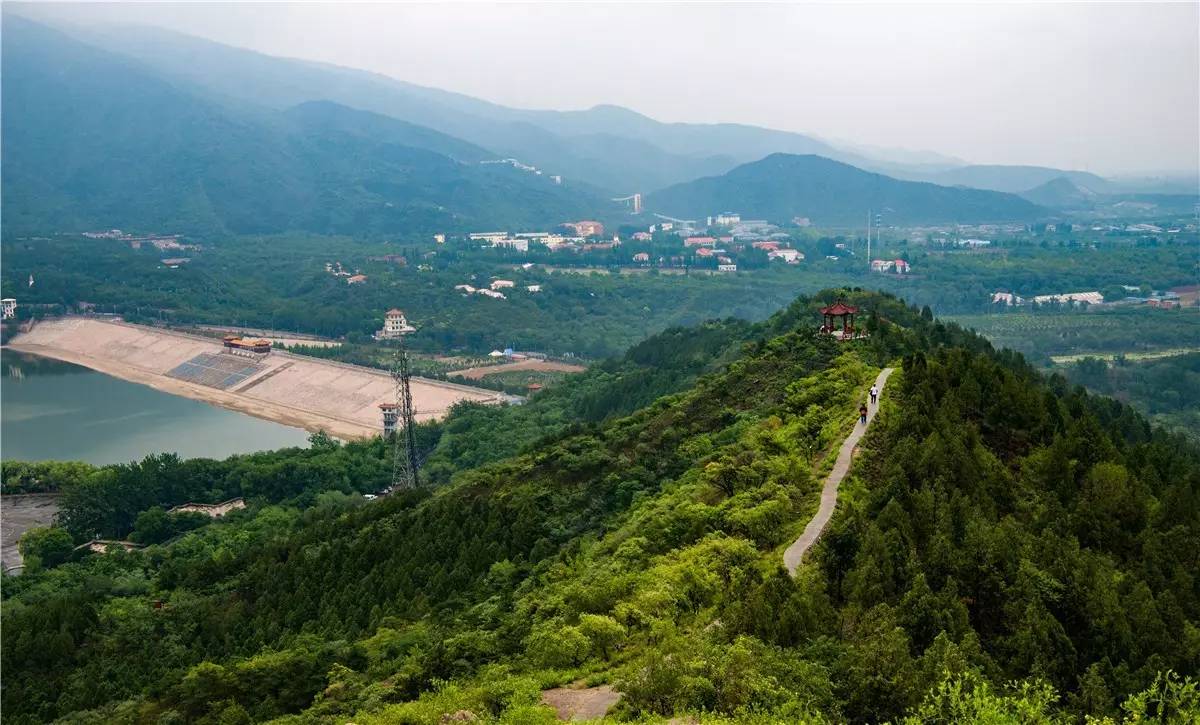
[
  {"x": 10, "y": 307},
  {"x": 487, "y": 236},
  {"x": 521, "y": 245},
  {"x": 394, "y": 325}
]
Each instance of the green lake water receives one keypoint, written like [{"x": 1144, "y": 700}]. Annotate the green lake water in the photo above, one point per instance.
[{"x": 51, "y": 410}]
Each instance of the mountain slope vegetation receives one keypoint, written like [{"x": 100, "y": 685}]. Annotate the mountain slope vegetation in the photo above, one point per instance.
[
  {"x": 94, "y": 139},
  {"x": 1015, "y": 179},
  {"x": 996, "y": 527},
  {"x": 607, "y": 146},
  {"x": 782, "y": 186}
]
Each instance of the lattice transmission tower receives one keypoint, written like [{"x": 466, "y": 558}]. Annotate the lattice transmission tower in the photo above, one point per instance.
[{"x": 404, "y": 439}]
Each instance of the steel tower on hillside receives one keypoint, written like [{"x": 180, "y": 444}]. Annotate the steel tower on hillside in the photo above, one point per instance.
[{"x": 404, "y": 438}]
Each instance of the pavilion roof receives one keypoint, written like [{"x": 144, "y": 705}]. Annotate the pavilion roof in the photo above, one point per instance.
[{"x": 839, "y": 308}]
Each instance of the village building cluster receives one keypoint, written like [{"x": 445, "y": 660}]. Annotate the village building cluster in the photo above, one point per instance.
[
  {"x": 715, "y": 252},
  {"x": 1176, "y": 297}
]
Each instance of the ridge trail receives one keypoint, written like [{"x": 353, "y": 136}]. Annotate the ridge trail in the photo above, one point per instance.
[{"x": 795, "y": 553}]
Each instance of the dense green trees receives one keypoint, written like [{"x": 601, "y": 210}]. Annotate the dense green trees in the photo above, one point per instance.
[
  {"x": 279, "y": 282},
  {"x": 45, "y": 547},
  {"x": 42, "y": 476},
  {"x": 1165, "y": 389},
  {"x": 997, "y": 527}
]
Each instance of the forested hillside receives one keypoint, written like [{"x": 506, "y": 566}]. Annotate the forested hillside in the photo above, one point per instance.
[
  {"x": 97, "y": 140},
  {"x": 1007, "y": 548},
  {"x": 782, "y": 186}
]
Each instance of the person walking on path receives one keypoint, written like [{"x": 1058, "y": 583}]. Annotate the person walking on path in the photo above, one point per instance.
[
  {"x": 862, "y": 414},
  {"x": 874, "y": 394},
  {"x": 829, "y": 490}
]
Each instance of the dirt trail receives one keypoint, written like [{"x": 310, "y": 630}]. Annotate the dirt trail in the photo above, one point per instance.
[
  {"x": 583, "y": 703},
  {"x": 812, "y": 532}
]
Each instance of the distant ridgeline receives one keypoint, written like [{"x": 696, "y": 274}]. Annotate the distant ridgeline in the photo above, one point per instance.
[
  {"x": 626, "y": 528},
  {"x": 95, "y": 139}
]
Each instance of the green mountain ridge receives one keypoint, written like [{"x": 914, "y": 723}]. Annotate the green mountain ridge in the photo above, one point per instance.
[
  {"x": 149, "y": 154},
  {"x": 608, "y": 146},
  {"x": 996, "y": 526},
  {"x": 1060, "y": 193},
  {"x": 782, "y": 186},
  {"x": 1014, "y": 179}
]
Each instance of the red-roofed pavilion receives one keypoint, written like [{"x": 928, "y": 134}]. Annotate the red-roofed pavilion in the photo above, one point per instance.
[{"x": 841, "y": 310}]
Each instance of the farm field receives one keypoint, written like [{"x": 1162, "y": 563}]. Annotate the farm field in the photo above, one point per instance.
[
  {"x": 1109, "y": 356},
  {"x": 478, "y": 373},
  {"x": 1044, "y": 335}
]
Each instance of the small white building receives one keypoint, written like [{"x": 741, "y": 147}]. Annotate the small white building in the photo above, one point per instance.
[
  {"x": 553, "y": 241},
  {"x": 491, "y": 293},
  {"x": 394, "y": 325},
  {"x": 731, "y": 267},
  {"x": 1073, "y": 298},
  {"x": 487, "y": 236},
  {"x": 790, "y": 256},
  {"x": 728, "y": 219},
  {"x": 439, "y": 238},
  {"x": 521, "y": 245},
  {"x": 533, "y": 288},
  {"x": 502, "y": 284},
  {"x": 10, "y": 307},
  {"x": 1006, "y": 298},
  {"x": 888, "y": 265},
  {"x": 465, "y": 288}
]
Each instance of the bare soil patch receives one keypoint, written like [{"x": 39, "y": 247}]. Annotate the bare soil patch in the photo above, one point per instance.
[
  {"x": 587, "y": 703},
  {"x": 544, "y": 366}
]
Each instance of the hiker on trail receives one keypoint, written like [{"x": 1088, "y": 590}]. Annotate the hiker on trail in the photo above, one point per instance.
[
  {"x": 874, "y": 394},
  {"x": 862, "y": 414}
]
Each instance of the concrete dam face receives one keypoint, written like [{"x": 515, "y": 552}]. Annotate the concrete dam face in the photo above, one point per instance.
[{"x": 340, "y": 399}]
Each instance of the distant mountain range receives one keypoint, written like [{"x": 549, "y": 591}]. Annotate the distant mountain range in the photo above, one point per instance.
[
  {"x": 144, "y": 128},
  {"x": 1014, "y": 179},
  {"x": 1065, "y": 195},
  {"x": 611, "y": 147},
  {"x": 1061, "y": 193},
  {"x": 95, "y": 139},
  {"x": 828, "y": 192}
]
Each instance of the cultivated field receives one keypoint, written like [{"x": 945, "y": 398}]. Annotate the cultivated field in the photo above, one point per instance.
[{"x": 543, "y": 366}]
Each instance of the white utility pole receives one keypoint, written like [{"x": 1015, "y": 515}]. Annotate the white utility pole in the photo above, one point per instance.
[{"x": 868, "y": 239}]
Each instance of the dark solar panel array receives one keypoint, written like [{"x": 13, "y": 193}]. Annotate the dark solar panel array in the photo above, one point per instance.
[{"x": 215, "y": 370}]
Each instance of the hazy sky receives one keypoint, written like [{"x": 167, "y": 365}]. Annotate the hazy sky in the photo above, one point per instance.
[{"x": 1111, "y": 88}]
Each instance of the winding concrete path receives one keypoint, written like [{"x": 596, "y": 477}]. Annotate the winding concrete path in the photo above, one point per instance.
[{"x": 812, "y": 532}]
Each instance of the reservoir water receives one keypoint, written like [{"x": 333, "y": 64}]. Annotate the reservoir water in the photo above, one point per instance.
[{"x": 56, "y": 410}]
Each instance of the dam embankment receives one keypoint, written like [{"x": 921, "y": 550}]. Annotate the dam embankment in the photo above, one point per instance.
[{"x": 343, "y": 400}]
